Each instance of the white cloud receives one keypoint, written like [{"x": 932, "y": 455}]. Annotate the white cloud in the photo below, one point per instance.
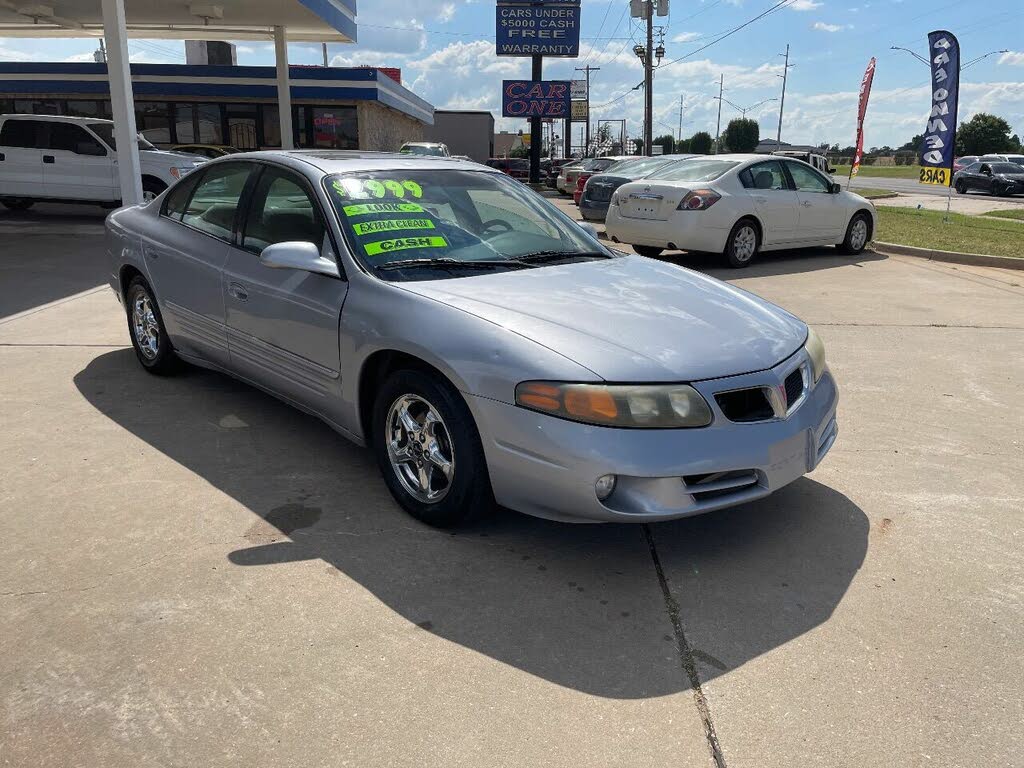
[
  {"x": 1014, "y": 58},
  {"x": 804, "y": 5},
  {"x": 685, "y": 37},
  {"x": 446, "y": 13},
  {"x": 821, "y": 26},
  {"x": 12, "y": 54}
]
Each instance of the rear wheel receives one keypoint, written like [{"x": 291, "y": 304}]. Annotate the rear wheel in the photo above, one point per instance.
[
  {"x": 648, "y": 250},
  {"x": 428, "y": 449},
  {"x": 743, "y": 243},
  {"x": 146, "y": 327},
  {"x": 19, "y": 204},
  {"x": 858, "y": 233}
]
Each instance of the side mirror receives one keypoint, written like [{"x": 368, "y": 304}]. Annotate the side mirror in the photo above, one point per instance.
[
  {"x": 298, "y": 255},
  {"x": 90, "y": 148},
  {"x": 835, "y": 188},
  {"x": 590, "y": 229}
]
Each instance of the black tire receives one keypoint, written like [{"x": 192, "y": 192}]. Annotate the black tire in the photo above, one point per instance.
[
  {"x": 19, "y": 204},
  {"x": 648, "y": 250},
  {"x": 853, "y": 244},
  {"x": 960, "y": 187},
  {"x": 737, "y": 249},
  {"x": 163, "y": 361},
  {"x": 467, "y": 496},
  {"x": 996, "y": 190},
  {"x": 152, "y": 187}
]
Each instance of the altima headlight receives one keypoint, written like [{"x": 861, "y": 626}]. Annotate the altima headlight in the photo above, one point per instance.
[
  {"x": 655, "y": 406},
  {"x": 815, "y": 349}
]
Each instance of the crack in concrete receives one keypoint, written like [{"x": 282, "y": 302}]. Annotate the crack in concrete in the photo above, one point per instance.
[{"x": 686, "y": 655}]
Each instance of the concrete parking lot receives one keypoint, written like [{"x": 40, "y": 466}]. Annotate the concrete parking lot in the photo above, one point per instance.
[{"x": 194, "y": 574}]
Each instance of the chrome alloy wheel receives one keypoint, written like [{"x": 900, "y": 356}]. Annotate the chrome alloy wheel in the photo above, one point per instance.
[
  {"x": 420, "y": 448},
  {"x": 145, "y": 326},
  {"x": 148, "y": 195},
  {"x": 859, "y": 234},
  {"x": 744, "y": 243}
]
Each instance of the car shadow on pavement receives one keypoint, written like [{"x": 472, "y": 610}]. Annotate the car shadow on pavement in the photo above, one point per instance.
[
  {"x": 581, "y": 606},
  {"x": 769, "y": 264}
]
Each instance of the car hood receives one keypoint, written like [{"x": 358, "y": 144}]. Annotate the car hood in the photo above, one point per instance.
[
  {"x": 170, "y": 159},
  {"x": 1011, "y": 176},
  {"x": 630, "y": 319}
]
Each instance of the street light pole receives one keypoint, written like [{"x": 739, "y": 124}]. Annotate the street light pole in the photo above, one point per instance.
[
  {"x": 588, "y": 69},
  {"x": 649, "y": 80}
]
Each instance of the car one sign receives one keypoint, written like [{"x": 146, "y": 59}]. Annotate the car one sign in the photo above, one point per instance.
[
  {"x": 535, "y": 98},
  {"x": 538, "y": 28}
]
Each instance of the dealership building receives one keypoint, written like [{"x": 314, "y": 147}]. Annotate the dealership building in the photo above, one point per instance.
[{"x": 332, "y": 107}]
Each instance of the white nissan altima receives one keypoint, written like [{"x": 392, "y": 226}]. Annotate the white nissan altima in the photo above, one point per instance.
[{"x": 738, "y": 205}]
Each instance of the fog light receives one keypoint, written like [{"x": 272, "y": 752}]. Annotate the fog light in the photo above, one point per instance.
[{"x": 604, "y": 486}]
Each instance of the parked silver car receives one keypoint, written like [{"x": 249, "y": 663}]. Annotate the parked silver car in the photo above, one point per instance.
[{"x": 486, "y": 346}]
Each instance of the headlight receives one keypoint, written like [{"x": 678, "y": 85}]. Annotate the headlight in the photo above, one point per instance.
[
  {"x": 815, "y": 349},
  {"x": 655, "y": 406}
]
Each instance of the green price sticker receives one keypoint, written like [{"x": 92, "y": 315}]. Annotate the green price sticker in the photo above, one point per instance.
[
  {"x": 386, "y": 225},
  {"x": 364, "y": 208},
  {"x": 404, "y": 244}
]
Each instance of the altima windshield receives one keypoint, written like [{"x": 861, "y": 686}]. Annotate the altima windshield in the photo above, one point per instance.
[
  {"x": 694, "y": 170},
  {"x": 425, "y": 224}
]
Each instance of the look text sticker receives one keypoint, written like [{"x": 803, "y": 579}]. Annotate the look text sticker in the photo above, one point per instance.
[
  {"x": 386, "y": 225},
  {"x": 364, "y": 208},
  {"x": 404, "y": 244}
]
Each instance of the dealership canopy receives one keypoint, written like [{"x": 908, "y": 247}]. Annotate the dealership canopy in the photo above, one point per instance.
[{"x": 117, "y": 20}]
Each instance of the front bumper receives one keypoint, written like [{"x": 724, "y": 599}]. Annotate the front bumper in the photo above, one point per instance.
[
  {"x": 683, "y": 230},
  {"x": 592, "y": 210},
  {"x": 547, "y": 467}
]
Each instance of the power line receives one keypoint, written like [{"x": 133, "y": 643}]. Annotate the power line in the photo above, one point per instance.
[{"x": 600, "y": 29}]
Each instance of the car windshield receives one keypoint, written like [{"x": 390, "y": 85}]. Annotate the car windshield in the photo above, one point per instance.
[
  {"x": 106, "y": 132},
  {"x": 694, "y": 170},
  {"x": 1015, "y": 159},
  {"x": 1006, "y": 168},
  {"x": 418, "y": 149},
  {"x": 426, "y": 224}
]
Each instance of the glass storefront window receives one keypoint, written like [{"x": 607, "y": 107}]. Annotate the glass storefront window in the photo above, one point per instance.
[
  {"x": 271, "y": 125},
  {"x": 242, "y": 125},
  {"x": 88, "y": 108},
  {"x": 335, "y": 128},
  {"x": 209, "y": 124},
  {"x": 184, "y": 127},
  {"x": 37, "y": 107},
  {"x": 153, "y": 122}
]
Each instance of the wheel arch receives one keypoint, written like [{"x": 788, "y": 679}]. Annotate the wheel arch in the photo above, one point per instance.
[
  {"x": 753, "y": 218},
  {"x": 871, "y": 220}
]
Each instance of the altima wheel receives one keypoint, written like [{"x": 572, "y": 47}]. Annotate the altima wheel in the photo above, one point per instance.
[
  {"x": 146, "y": 326},
  {"x": 420, "y": 448},
  {"x": 428, "y": 449},
  {"x": 743, "y": 243},
  {"x": 151, "y": 189},
  {"x": 858, "y": 233},
  {"x": 960, "y": 187}
]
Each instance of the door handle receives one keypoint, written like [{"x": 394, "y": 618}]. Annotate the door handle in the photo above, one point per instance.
[
  {"x": 237, "y": 291},
  {"x": 49, "y": 159},
  {"x": 806, "y": 204}
]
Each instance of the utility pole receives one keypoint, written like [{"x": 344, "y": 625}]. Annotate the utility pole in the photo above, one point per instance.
[
  {"x": 721, "y": 91},
  {"x": 679, "y": 133},
  {"x": 782, "y": 104},
  {"x": 324, "y": 45},
  {"x": 649, "y": 81},
  {"x": 535, "y": 126},
  {"x": 587, "y": 70}
]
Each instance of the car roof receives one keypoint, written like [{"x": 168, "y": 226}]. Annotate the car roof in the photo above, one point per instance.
[
  {"x": 345, "y": 161},
  {"x": 58, "y": 118}
]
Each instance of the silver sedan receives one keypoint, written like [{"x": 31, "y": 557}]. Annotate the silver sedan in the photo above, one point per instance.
[{"x": 485, "y": 346}]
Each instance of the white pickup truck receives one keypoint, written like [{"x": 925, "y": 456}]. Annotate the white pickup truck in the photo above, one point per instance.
[
  {"x": 72, "y": 159},
  {"x": 818, "y": 161}
]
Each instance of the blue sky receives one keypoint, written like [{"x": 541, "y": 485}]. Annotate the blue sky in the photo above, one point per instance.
[{"x": 446, "y": 51}]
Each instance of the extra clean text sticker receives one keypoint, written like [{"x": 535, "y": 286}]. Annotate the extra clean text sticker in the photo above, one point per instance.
[{"x": 385, "y": 225}]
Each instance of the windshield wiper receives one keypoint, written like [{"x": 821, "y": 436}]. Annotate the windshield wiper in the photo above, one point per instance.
[
  {"x": 451, "y": 264},
  {"x": 544, "y": 257}
]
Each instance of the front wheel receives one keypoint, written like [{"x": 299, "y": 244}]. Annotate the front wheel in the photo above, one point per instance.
[
  {"x": 857, "y": 235},
  {"x": 743, "y": 243},
  {"x": 960, "y": 187},
  {"x": 146, "y": 327},
  {"x": 429, "y": 451},
  {"x": 648, "y": 250},
  {"x": 151, "y": 188}
]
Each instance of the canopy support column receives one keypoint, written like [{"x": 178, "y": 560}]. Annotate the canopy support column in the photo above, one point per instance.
[
  {"x": 122, "y": 102},
  {"x": 284, "y": 95}
]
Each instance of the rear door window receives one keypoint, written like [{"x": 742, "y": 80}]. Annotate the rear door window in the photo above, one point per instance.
[
  {"x": 73, "y": 138},
  {"x": 213, "y": 208},
  {"x": 765, "y": 176},
  {"x": 26, "y": 134}
]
